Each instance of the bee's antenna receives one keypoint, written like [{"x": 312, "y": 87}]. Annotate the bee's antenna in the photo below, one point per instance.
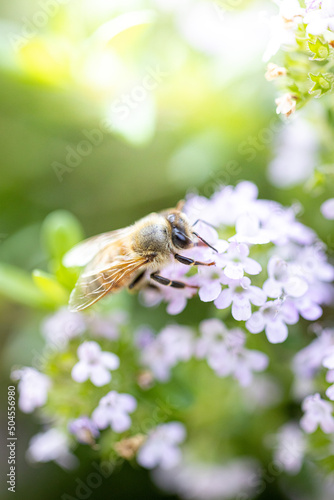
[
  {"x": 204, "y": 222},
  {"x": 205, "y": 242}
]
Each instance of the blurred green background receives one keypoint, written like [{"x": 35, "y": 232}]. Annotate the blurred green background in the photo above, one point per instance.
[{"x": 171, "y": 99}]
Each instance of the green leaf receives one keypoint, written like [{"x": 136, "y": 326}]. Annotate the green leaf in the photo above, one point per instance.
[
  {"x": 18, "y": 286},
  {"x": 323, "y": 83},
  {"x": 50, "y": 287},
  {"x": 319, "y": 49},
  {"x": 60, "y": 232}
]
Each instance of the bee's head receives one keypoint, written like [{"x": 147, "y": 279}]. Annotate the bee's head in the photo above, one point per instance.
[{"x": 181, "y": 233}]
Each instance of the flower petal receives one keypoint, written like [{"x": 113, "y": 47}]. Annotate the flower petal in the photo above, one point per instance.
[
  {"x": 100, "y": 376},
  {"x": 80, "y": 372},
  {"x": 276, "y": 331},
  {"x": 177, "y": 305},
  {"x": 234, "y": 270},
  {"x": 100, "y": 417},
  {"x": 272, "y": 288},
  {"x": 210, "y": 291},
  {"x": 241, "y": 309},
  {"x": 120, "y": 421},
  {"x": 256, "y": 323},
  {"x": 257, "y": 296},
  {"x": 251, "y": 266},
  {"x": 296, "y": 287},
  {"x": 224, "y": 300},
  {"x": 110, "y": 360}
]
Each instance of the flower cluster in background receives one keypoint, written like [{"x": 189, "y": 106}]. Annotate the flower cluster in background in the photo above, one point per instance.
[{"x": 308, "y": 32}]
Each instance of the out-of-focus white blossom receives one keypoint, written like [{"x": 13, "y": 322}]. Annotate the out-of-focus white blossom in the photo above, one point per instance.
[
  {"x": 291, "y": 447},
  {"x": 160, "y": 353},
  {"x": 327, "y": 209},
  {"x": 318, "y": 412},
  {"x": 52, "y": 445},
  {"x": 162, "y": 446},
  {"x": 61, "y": 327},
  {"x": 33, "y": 388},
  {"x": 296, "y": 154}
]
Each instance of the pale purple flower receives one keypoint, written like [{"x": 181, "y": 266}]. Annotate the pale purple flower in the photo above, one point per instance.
[
  {"x": 330, "y": 379},
  {"x": 328, "y": 361},
  {"x": 94, "y": 364},
  {"x": 226, "y": 353},
  {"x": 312, "y": 4},
  {"x": 307, "y": 308},
  {"x": 52, "y": 445},
  {"x": 173, "y": 344},
  {"x": 63, "y": 326},
  {"x": 296, "y": 154},
  {"x": 213, "y": 333},
  {"x": 210, "y": 279},
  {"x": 226, "y": 204},
  {"x": 309, "y": 360},
  {"x": 291, "y": 447},
  {"x": 273, "y": 318},
  {"x": 33, "y": 388},
  {"x": 108, "y": 326},
  {"x": 161, "y": 447},
  {"x": 318, "y": 412},
  {"x": 283, "y": 278},
  {"x": 232, "y": 358},
  {"x": 327, "y": 209},
  {"x": 84, "y": 429},
  {"x": 320, "y": 20},
  {"x": 236, "y": 262},
  {"x": 113, "y": 410},
  {"x": 240, "y": 293},
  {"x": 143, "y": 337},
  {"x": 248, "y": 230},
  {"x": 312, "y": 263},
  {"x": 281, "y": 223}
]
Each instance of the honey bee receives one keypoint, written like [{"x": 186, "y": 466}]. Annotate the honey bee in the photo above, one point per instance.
[{"x": 121, "y": 258}]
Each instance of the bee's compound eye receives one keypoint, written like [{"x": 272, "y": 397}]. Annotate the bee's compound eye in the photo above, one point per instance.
[
  {"x": 171, "y": 218},
  {"x": 180, "y": 240}
]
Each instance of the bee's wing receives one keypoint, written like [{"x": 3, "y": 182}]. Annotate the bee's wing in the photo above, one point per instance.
[
  {"x": 84, "y": 252},
  {"x": 96, "y": 283}
]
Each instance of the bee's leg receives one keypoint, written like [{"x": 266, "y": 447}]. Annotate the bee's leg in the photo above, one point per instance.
[
  {"x": 136, "y": 280},
  {"x": 167, "y": 282},
  {"x": 191, "y": 262}
]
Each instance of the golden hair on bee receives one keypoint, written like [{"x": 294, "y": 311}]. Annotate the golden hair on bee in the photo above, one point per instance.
[{"x": 123, "y": 258}]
